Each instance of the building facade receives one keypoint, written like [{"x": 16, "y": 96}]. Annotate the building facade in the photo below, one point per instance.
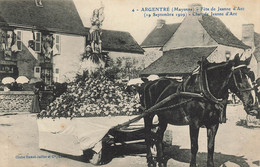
[
  {"x": 46, "y": 39},
  {"x": 123, "y": 51},
  {"x": 252, "y": 38},
  {"x": 35, "y": 33},
  {"x": 197, "y": 31}
]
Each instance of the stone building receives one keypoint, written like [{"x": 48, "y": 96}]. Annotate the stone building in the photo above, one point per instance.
[
  {"x": 36, "y": 35},
  {"x": 195, "y": 31},
  {"x": 123, "y": 51},
  {"x": 46, "y": 39},
  {"x": 252, "y": 39}
]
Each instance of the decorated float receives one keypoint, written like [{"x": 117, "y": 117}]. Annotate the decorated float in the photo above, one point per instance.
[
  {"x": 95, "y": 112},
  {"x": 87, "y": 118}
]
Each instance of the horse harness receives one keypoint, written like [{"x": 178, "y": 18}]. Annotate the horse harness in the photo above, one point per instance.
[{"x": 205, "y": 93}]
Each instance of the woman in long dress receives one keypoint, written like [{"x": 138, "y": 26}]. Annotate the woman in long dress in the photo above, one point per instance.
[{"x": 35, "y": 102}]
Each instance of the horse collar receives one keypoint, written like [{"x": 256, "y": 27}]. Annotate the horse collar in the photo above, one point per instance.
[{"x": 204, "y": 86}]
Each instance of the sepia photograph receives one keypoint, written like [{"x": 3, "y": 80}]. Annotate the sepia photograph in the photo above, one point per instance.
[{"x": 129, "y": 83}]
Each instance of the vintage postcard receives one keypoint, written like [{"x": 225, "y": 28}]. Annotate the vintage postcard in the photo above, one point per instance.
[{"x": 123, "y": 83}]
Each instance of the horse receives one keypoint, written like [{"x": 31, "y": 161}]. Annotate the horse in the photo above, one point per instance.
[{"x": 199, "y": 100}]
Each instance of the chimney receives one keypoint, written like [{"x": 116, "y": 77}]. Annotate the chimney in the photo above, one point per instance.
[
  {"x": 248, "y": 34},
  {"x": 196, "y": 10},
  {"x": 160, "y": 23}
]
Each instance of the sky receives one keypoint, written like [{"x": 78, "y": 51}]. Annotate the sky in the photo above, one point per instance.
[{"x": 119, "y": 14}]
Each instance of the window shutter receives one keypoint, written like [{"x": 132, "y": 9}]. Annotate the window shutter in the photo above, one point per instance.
[
  {"x": 37, "y": 42},
  {"x": 19, "y": 40},
  {"x": 57, "y": 45}
]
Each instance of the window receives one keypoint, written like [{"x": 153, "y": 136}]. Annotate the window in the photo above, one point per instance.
[
  {"x": 57, "y": 71},
  {"x": 19, "y": 40},
  {"x": 11, "y": 69},
  {"x": 37, "y": 41},
  {"x": 9, "y": 39},
  {"x": 47, "y": 75},
  {"x": 57, "y": 48},
  {"x": 56, "y": 75},
  {"x": 7, "y": 68},
  {"x": 37, "y": 71}
]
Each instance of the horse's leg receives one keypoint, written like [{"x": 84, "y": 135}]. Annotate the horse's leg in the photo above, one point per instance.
[
  {"x": 148, "y": 140},
  {"x": 211, "y": 133},
  {"x": 194, "y": 133},
  {"x": 159, "y": 141}
]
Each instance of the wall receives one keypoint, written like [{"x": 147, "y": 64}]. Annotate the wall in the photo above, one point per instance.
[
  {"x": 248, "y": 32},
  {"x": 26, "y": 62},
  {"x": 258, "y": 70},
  {"x": 189, "y": 34},
  {"x": 27, "y": 58},
  {"x": 196, "y": 36},
  {"x": 248, "y": 38},
  {"x": 219, "y": 54},
  {"x": 138, "y": 58},
  {"x": 68, "y": 62},
  {"x": 16, "y": 101},
  {"x": 254, "y": 66},
  {"x": 151, "y": 54}
]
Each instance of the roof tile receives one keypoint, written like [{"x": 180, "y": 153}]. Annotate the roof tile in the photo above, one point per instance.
[
  {"x": 119, "y": 41},
  {"x": 159, "y": 36},
  {"x": 55, "y": 15},
  {"x": 178, "y": 61},
  {"x": 220, "y": 33}
]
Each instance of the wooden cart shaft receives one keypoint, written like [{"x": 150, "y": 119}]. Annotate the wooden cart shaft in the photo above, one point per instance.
[{"x": 158, "y": 105}]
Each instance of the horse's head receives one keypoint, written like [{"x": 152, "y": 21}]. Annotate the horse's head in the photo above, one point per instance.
[
  {"x": 240, "y": 83},
  {"x": 235, "y": 76}
]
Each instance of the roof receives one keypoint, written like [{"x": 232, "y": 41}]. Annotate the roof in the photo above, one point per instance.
[
  {"x": 213, "y": 25},
  {"x": 178, "y": 61},
  {"x": 220, "y": 33},
  {"x": 159, "y": 36},
  {"x": 257, "y": 46},
  {"x": 118, "y": 41},
  {"x": 55, "y": 15}
]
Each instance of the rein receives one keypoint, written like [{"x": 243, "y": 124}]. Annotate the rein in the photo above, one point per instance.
[
  {"x": 204, "y": 85},
  {"x": 206, "y": 91},
  {"x": 235, "y": 81}
]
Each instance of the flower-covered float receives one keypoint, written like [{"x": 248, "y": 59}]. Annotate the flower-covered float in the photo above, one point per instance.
[
  {"x": 80, "y": 118},
  {"x": 93, "y": 96}
]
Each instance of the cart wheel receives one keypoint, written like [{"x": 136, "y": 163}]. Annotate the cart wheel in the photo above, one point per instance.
[
  {"x": 167, "y": 138},
  {"x": 93, "y": 157}
]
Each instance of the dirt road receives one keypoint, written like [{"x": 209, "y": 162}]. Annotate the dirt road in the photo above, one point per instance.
[{"x": 235, "y": 143}]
